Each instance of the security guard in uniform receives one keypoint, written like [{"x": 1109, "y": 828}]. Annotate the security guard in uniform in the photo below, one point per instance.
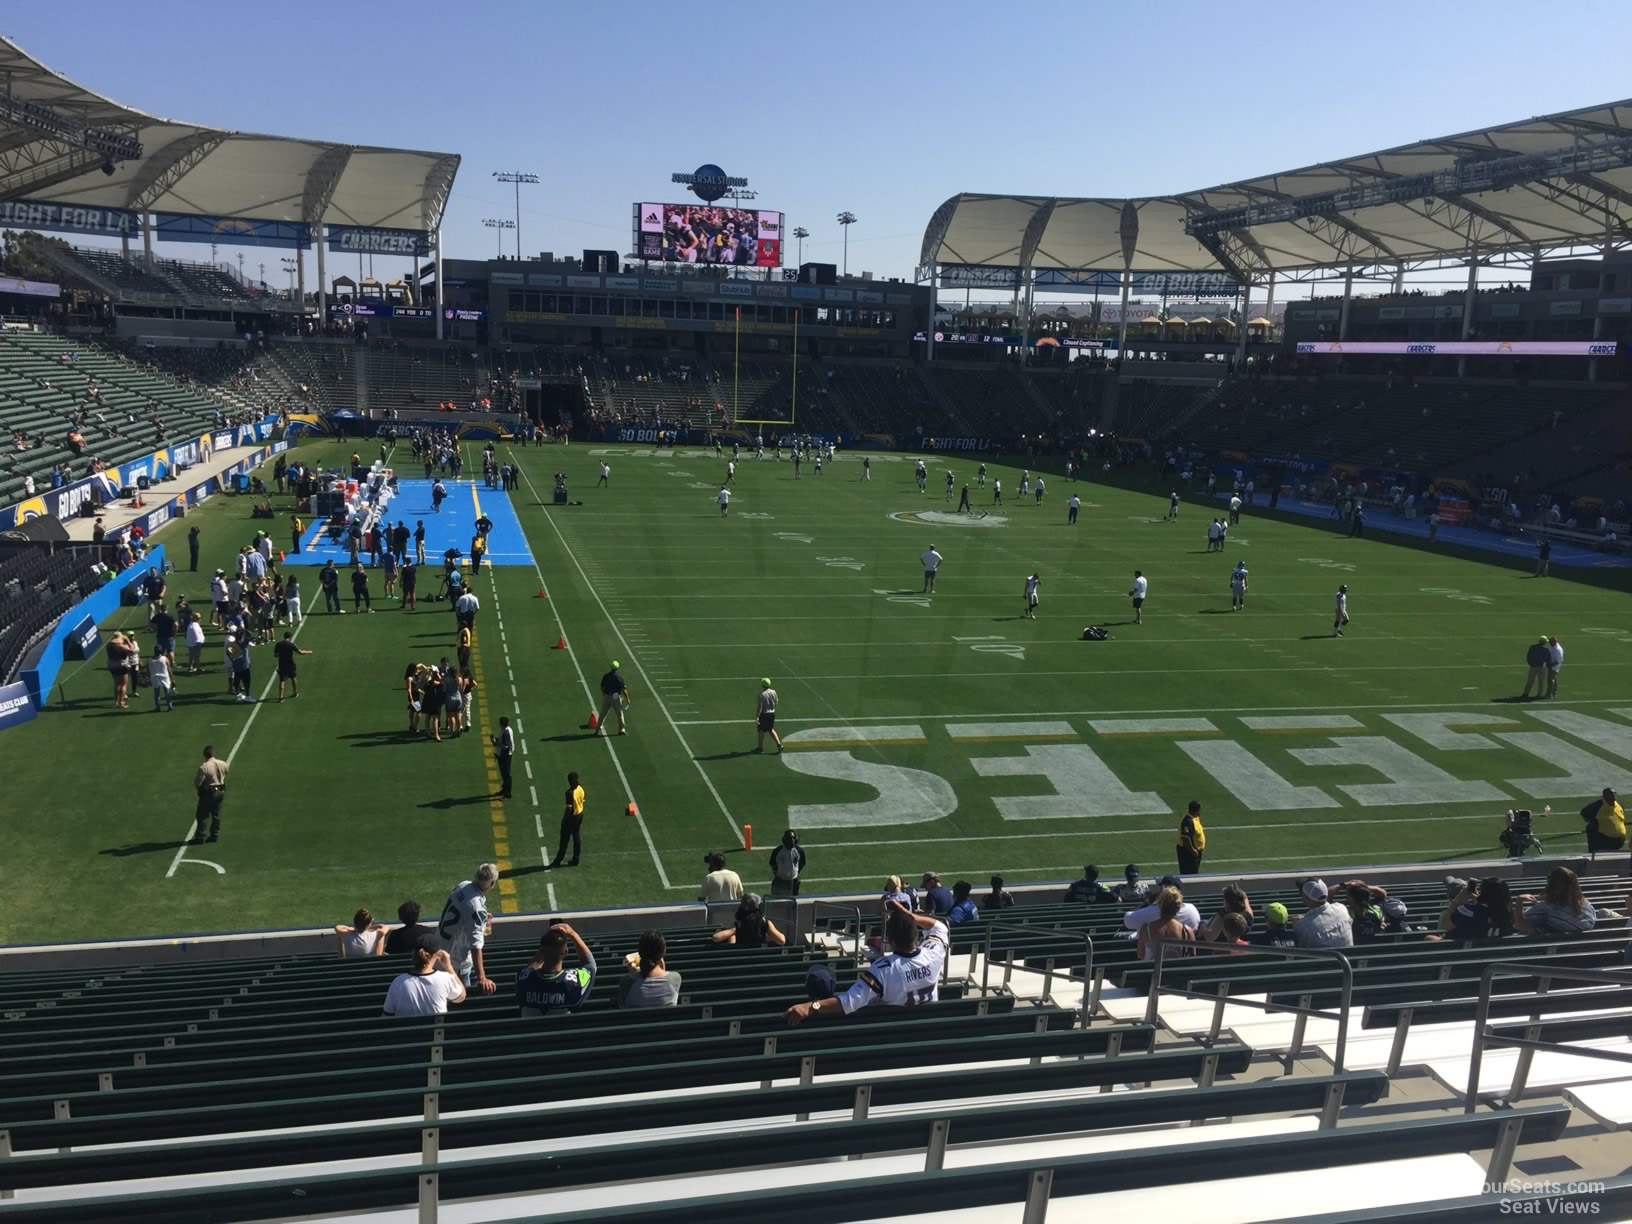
[{"x": 211, "y": 784}]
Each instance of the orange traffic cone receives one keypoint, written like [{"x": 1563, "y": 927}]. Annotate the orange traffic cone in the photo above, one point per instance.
[
  {"x": 594, "y": 722},
  {"x": 281, "y": 556},
  {"x": 632, "y": 810},
  {"x": 541, "y": 594},
  {"x": 561, "y": 642}
]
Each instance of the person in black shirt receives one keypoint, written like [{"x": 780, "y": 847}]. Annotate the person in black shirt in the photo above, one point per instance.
[
  {"x": 192, "y": 548},
  {"x": 1277, "y": 932},
  {"x": 407, "y": 937},
  {"x": 1544, "y": 554},
  {"x": 1483, "y": 909},
  {"x": 164, "y": 633},
  {"x": 419, "y": 541},
  {"x": 504, "y": 747},
  {"x": 614, "y": 696},
  {"x": 359, "y": 589},
  {"x": 399, "y": 541},
  {"x": 153, "y": 587},
  {"x": 328, "y": 578},
  {"x": 286, "y": 652}
]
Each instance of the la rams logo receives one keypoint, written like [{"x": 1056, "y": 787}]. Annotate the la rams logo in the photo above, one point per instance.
[{"x": 34, "y": 507}]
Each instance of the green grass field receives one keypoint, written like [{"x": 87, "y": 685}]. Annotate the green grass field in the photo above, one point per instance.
[{"x": 942, "y": 733}]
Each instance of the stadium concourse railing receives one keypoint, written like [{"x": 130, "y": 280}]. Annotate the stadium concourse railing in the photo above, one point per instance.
[
  {"x": 1302, "y": 1009},
  {"x": 1530, "y": 1037}
]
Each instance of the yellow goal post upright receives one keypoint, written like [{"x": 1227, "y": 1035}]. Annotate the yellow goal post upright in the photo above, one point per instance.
[{"x": 736, "y": 378}]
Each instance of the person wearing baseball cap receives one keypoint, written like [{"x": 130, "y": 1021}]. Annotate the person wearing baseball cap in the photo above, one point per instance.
[
  {"x": 1324, "y": 923},
  {"x": 1277, "y": 932},
  {"x": 765, "y": 715},
  {"x": 614, "y": 697}
]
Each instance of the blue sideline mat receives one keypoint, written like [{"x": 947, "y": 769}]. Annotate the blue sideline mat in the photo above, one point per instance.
[{"x": 455, "y": 527}]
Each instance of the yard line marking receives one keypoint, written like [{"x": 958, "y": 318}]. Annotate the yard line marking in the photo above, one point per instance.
[
  {"x": 662, "y": 708},
  {"x": 528, "y": 766},
  {"x": 181, "y": 850},
  {"x": 538, "y": 821},
  {"x": 549, "y": 890},
  {"x": 1304, "y": 722},
  {"x": 532, "y": 793},
  {"x": 926, "y": 717},
  {"x": 572, "y": 655},
  {"x": 1012, "y": 730}
]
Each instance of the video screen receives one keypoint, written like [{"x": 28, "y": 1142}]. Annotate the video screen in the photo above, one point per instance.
[{"x": 709, "y": 234}]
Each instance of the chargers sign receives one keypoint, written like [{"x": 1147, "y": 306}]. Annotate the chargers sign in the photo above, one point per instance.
[{"x": 367, "y": 240}]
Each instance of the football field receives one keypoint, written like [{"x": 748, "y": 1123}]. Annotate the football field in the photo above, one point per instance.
[{"x": 942, "y": 732}]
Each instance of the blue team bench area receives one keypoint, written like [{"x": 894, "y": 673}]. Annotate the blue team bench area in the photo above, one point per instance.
[{"x": 453, "y": 527}]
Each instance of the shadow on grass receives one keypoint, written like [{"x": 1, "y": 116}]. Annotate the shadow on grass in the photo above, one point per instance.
[
  {"x": 1316, "y": 637},
  {"x": 1214, "y": 612},
  {"x": 726, "y": 756},
  {"x": 517, "y": 872},
  {"x": 569, "y": 737},
  {"x": 462, "y": 801},
  {"x": 138, "y": 848},
  {"x": 1515, "y": 700}
]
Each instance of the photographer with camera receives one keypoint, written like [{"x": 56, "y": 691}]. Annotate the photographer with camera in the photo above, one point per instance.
[{"x": 721, "y": 883}]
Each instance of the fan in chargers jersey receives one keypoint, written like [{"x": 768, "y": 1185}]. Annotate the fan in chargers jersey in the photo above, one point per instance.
[{"x": 908, "y": 974}]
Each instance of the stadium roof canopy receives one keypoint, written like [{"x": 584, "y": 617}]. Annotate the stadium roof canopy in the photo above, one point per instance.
[
  {"x": 1539, "y": 185},
  {"x": 59, "y": 140}
]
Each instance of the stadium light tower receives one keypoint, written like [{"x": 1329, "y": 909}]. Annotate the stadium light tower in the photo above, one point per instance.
[
  {"x": 493, "y": 223},
  {"x": 847, "y": 219},
  {"x": 517, "y": 177},
  {"x": 801, "y": 233},
  {"x": 289, "y": 267}
]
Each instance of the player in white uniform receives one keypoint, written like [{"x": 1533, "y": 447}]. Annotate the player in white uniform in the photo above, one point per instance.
[
  {"x": 949, "y": 486},
  {"x": 980, "y": 476},
  {"x": 922, "y": 473},
  {"x": 463, "y": 927},
  {"x": 1340, "y": 609},
  {"x": 1032, "y": 583},
  {"x": 1140, "y": 586},
  {"x": 905, "y": 976},
  {"x": 1025, "y": 481},
  {"x": 1238, "y": 586},
  {"x": 1173, "y": 505}
]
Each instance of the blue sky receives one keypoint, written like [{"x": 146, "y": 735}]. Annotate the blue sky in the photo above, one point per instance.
[{"x": 883, "y": 109}]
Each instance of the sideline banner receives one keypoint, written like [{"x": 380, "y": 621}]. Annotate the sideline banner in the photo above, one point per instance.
[{"x": 15, "y": 706}]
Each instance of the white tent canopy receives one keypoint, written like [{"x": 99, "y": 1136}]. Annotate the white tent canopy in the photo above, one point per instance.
[
  {"x": 1549, "y": 183},
  {"x": 58, "y": 141}
]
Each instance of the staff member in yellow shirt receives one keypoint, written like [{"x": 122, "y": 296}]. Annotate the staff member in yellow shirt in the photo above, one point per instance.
[
  {"x": 572, "y": 821},
  {"x": 1606, "y": 823},
  {"x": 296, "y": 530},
  {"x": 1192, "y": 840}
]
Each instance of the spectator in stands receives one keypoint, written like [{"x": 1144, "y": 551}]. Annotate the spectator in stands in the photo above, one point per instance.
[
  {"x": 411, "y": 934},
  {"x": 1165, "y": 923},
  {"x": 935, "y": 898},
  {"x": 1187, "y": 913},
  {"x": 1131, "y": 891},
  {"x": 1232, "y": 931},
  {"x": 1235, "y": 901},
  {"x": 1277, "y": 931},
  {"x": 1395, "y": 921},
  {"x": 721, "y": 883},
  {"x": 1483, "y": 909},
  {"x": 787, "y": 865},
  {"x": 909, "y": 973},
  {"x": 1324, "y": 923},
  {"x": 999, "y": 898},
  {"x": 750, "y": 928},
  {"x": 364, "y": 937},
  {"x": 1365, "y": 904},
  {"x": 899, "y": 892},
  {"x": 963, "y": 907},
  {"x": 427, "y": 989},
  {"x": 1606, "y": 823},
  {"x": 649, "y": 984},
  {"x": 1089, "y": 890},
  {"x": 1562, "y": 909},
  {"x": 465, "y": 924},
  {"x": 545, "y": 985}
]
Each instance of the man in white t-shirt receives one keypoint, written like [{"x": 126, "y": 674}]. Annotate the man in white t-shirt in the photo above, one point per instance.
[
  {"x": 725, "y": 502},
  {"x": 1137, "y": 594},
  {"x": 907, "y": 975},
  {"x": 721, "y": 883},
  {"x": 1071, "y": 508},
  {"x": 932, "y": 562},
  {"x": 1340, "y": 610},
  {"x": 427, "y": 989},
  {"x": 1188, "y": 914},
  {"x": 731, "y": 472},
  {"x": 1214, "y": 536},
  {"x": 463, "y": 927},
  {"x": 1235, "y": 507}
]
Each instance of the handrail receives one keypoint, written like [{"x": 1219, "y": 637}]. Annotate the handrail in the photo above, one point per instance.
[
  {"x": 1023, "y": 928},
  {"x": 1529, "y": 1044},
  {"x": 851, "y": 910},
  {"x": 1222, "y": 996}
]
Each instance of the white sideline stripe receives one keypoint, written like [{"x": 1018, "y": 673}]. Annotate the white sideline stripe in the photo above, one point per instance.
[
  {"x": 1304, "y": 722},
  {"x": 1294, "y": 821},
  {"x": 1324, "y": 669},
  {"x": 1007, "y": 730},
  {"x": 1149, "y": 726},
  {"x": 926, "y": 717},
  {"x": 634, "y": 657},
  {"x": 181, "y": 850}
]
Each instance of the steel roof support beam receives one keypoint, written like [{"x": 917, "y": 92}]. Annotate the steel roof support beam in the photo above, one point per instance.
[
  {"x": 163, "y": 170},
  {"x": 438, "y": 186}
]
